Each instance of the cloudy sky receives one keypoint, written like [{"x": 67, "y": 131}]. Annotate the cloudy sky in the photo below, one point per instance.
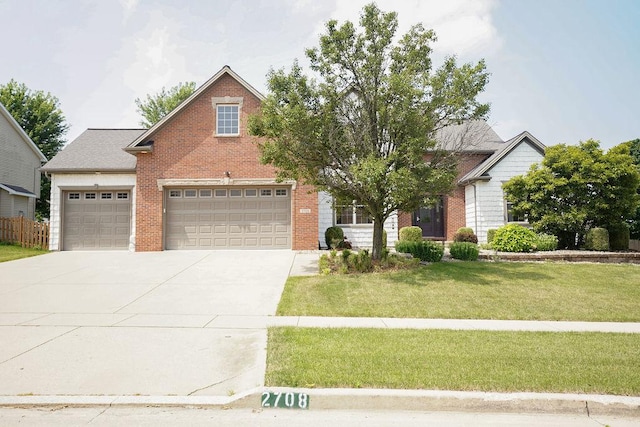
[{"x": 565, "y": 70}]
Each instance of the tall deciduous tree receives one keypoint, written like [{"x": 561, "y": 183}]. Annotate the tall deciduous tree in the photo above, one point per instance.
[
  {"x": 577, "y": 188},
  {"x": 634, "y": 223},
  {"x": 155, "y": 107},
  {"x": 39, "y": 114},
  {"x": 365, "y": 129}
]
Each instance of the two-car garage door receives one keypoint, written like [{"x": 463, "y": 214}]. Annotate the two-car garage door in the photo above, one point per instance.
[{"x": 233, "y": 217}]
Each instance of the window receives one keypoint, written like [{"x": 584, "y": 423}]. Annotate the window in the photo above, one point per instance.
[
  {"x": 175, "y": 194},
  {"x": 205, "y": 194},
  {"x": 122, "y": 196},
  {"x": 89, "y": 196},
  {"x": 281, "y": 192},
  {"x": 228, "y": 122},
  {"x": 235, "y": 193},
  {"x": 265, "y": 192},
  {"x": 220, "y": 193},
  {"x": 190, "y": 194},
  {"x": 74, "y": 196},
  {"x": 352, "y": 214},
  {"x": 514, "y": 218},
  {"x": 106, "y": 196},
  {"x": 250, "y": 192}
]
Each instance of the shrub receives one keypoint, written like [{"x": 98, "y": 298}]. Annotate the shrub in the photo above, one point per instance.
[
  {"x": 465, "y": 234},
  {"x": 410, "y": 234},
  {"x": 597, "y": 239},
  {"x": 333, "y": 236},
  {"x": 546, "y": 242},
  {"x": 324, "y": 265},
  {"x": 345, "y": 256},
  {"x": 466, "y": 251},
  {"x": 424, "y": 250},
  {"x": 490, "y": 234},
  {"x": 514, "y": 238},
  {"x": 619, "y": 235}
]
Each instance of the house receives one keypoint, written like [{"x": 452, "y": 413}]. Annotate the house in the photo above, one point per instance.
[
  {"x": 20, "y": 161},
  {"x": 194, "y": 181}
]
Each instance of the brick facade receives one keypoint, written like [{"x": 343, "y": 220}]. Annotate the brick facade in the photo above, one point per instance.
[
  {"x": 186, "y": 147},
  {"x": 453, "y": 203}
]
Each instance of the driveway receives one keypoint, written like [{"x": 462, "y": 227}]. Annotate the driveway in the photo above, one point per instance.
[{"x": 121, "y": 323}]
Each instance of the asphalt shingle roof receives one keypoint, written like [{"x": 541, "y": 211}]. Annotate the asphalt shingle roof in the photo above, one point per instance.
[
  {"x": 96, "y": 150},
  {"x": 472, "y": 136}
]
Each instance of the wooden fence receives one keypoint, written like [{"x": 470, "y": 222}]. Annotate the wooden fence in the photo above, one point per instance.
[{"x": 24, "y": 232}]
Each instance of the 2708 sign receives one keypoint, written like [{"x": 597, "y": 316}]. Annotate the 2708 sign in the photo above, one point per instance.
[{"x": 288, "y": 400}]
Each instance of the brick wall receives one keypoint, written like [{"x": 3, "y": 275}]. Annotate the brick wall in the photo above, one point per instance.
[
  {"x": 453, "y": 203},
  {"x": 186, "y": 147}
]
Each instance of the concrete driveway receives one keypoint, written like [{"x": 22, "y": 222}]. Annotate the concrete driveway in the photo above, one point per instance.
[{"x": 171, "y": 323}]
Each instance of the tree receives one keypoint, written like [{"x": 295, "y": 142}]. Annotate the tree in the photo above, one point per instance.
[
  {"x": 155, "y": 107},
  {"x": 365, "y": 131},
  {"x": 39, "y": 114},
  {"x": 576, "y": 188},
  {"x": 634, "y": 223}
]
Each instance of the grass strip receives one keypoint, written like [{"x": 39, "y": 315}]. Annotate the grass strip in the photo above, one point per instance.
[
  {"x": 474, "y": 290},
  {"x": 602, "y": 363},
  {"x": 12, "y": 252}
]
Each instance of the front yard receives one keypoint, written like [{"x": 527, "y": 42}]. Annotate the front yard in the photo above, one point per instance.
[
  {"x": 500, "y": 361},
  {"x": 474, "y": 290},
  {"x": 10, "y": 252}
]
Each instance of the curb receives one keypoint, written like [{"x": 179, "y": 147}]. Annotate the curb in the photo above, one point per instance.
[{"x": 370, "y": 399}]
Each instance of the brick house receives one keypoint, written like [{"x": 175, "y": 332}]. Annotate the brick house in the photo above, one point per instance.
[{"x": 194, "y": 181}]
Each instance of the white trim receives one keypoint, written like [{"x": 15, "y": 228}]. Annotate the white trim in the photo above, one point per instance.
[{"x": 228, "y": 182}]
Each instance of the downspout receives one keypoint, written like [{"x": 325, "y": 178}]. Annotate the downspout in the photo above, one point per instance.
[{"x": 475, "y": 208}]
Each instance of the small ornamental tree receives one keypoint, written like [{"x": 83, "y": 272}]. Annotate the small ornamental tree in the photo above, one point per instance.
[
  {"x": 365, "y": 130},
  {"x": 575, "y": 189}
]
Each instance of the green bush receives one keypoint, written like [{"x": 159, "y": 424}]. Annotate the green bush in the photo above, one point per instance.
[
  {"x": 424, "y": 250},
  {"x": 333, "y": 236},
  {"x": 514, "y": 238},
  {"x": 597, "y": 239},
  {"x": 490, "y": 234},
  {"x": 465, "y": 234},
  {"x": 410, "y": 234},
  {"x": 546, "y": 242},
  {"x": 465, "y": 251},
  {"x": 619, "y": 235}
]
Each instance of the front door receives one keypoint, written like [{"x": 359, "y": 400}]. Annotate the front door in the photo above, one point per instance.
[{"x": 430, "y": 219}]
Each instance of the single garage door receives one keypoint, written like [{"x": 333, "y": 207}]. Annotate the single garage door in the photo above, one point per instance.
[
  {"x": 96, "y": 220},
  {"x": 216, "y": 218}
]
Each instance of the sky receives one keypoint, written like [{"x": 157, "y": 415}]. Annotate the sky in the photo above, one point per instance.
[{"x": 564, "y": 70}]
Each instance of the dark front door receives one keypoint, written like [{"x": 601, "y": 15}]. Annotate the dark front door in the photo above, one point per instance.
[{"x": 430, "y": 219}]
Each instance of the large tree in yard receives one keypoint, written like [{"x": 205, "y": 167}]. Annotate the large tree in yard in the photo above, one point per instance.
[
  {"x": 365, "y": 128},
  {"x": 39, "y": 114},
  {"x": 577, "y": 188},
  {"x": 154, "y": 107}
]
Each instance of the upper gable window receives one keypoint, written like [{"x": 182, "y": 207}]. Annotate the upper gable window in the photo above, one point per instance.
[
  {"x": 228, "y": 111},
  {"x": 228, "y": 122}
]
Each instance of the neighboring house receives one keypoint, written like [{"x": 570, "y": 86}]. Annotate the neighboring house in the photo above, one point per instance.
[
  {"x": 20, "y": 161},
  {"x": 194, "y": 180}
]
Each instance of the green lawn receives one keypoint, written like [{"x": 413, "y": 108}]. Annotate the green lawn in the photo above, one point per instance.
[
  {"x": 474, "y": 290},
  {"x": 599, "y": 363},
  {"x": 11, "y": 252}
]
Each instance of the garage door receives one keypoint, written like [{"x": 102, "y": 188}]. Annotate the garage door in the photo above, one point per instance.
[
  {"x": 213, "y": 218},
  {"x": 96, "y": 220}
]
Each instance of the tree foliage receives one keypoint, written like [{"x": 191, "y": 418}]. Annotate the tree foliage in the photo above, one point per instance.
[
  {"x": 634, "y": 222},
  {"x": 365, "y": 128},
  {"x": 576, "y": 188},
  {"x": 155, "y": 107},
  {"x": 39, "y": 114}
]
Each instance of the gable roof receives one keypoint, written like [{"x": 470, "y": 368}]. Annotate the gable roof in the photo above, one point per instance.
[
  {"x": 96, "y": 150},
  {"x": 478, "y": 172},
  {"x": 141, "y": 143},
  {"x": 7, "y": 115},
  {"x": 16, "y": 190}
]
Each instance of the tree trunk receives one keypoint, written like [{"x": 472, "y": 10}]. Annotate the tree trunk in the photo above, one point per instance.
[{"x": 378, "y": 228}]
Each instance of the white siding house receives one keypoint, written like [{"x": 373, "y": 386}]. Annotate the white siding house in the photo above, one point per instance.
[{"x": 485, "y": 206}]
